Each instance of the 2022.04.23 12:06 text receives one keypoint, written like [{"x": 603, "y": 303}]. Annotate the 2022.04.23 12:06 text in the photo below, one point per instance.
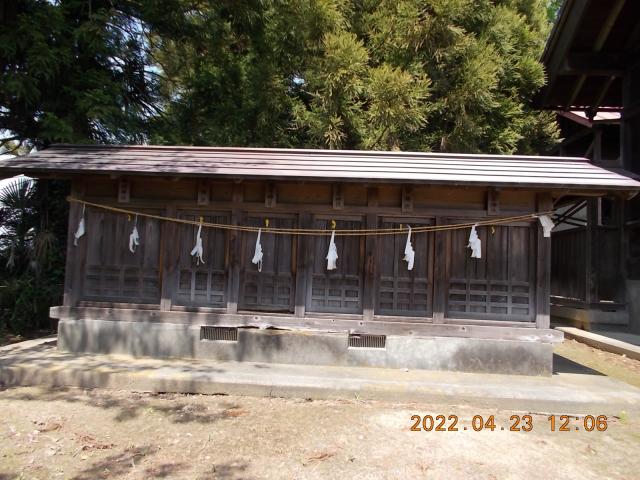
[{"x": 517, "y": 423}]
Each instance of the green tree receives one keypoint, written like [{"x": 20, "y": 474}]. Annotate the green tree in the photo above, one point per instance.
[
  {"x": 553, "y": 7},
  {"x": 435, "y": 75},
  {"x": 458, "y": 77},
  {"x": 74, "y": 71}
]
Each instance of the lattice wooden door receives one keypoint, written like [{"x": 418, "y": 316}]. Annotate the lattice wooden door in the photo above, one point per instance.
[
  {"x": 500, "y": 285},
  {"x": 272, "y": 289},
  {"x": 401, "y": 291},
  {"x": 340, "y": 290},
  {"x": 112, "y": 273},
  {"x": 205, "y": 284}
]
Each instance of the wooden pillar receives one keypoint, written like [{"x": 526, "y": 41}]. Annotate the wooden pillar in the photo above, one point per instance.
[
  {"x": 592, "y": 253},
  {"x": 597, "y": 146},
  {"x": 233, "y": 285},
  {"x": 622, "y": 206},
  {"x": 304, "y": 265},
  {"x": 169, "y": 259},
  {"x": 74, "y": 263},
  {"x": 543, "y": 266},
  {"x": 626, "y": 133},
  {"x": 370, "y": 259},
  {"x": 440, "y": 280}
]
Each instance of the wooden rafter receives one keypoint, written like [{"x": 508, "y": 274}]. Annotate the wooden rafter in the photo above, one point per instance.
[{"x": 597, "y": 47}]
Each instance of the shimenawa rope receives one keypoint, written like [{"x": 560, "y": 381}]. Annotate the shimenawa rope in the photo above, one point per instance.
[{"x": 311, "y": 231}]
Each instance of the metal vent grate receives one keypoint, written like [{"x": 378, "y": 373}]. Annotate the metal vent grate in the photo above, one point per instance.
[
  {"x": 224, "y": 334},
  {"x": 367, "y": 341}
]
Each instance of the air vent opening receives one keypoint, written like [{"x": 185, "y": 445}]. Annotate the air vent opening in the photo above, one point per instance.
[
  {"x": 360, "y": 340},
  {"x": 219, "y": 334}
]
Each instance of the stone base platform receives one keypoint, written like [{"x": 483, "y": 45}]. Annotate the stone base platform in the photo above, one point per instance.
[
  {"x": 40, "y": 363},
  {"x": 167, "y": 340}
]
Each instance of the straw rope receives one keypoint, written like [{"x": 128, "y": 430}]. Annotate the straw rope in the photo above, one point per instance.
[{"x": 310, "y": 231}]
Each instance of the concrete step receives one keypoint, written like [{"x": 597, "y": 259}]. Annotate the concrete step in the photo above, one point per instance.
[{"x": 40, "y": 363}]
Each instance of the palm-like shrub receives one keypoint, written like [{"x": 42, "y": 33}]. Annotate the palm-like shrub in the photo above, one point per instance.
[{"x": 31, "y": 252}]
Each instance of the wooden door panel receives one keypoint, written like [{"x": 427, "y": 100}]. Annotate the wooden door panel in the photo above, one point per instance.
[
  {"x": 112, "y": 272},
  {"x": 500, "y": 285},
  {"x": 401, "y": 291},
  {"x": 340, "y": 290},
  {"x": 273, "y": 288},
  {"x": 203, "y": 285}
]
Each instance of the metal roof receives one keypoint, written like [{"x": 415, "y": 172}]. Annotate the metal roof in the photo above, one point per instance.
[{"x": 334, "y": 165}]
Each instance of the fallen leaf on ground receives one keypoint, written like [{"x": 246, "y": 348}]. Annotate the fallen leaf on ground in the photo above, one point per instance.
[
  {"x": 49, "y": 425},
  {"x": 318, "y": 458},
  {"x": 234, "y": 412},
  {"x": 90, "y": 443}
]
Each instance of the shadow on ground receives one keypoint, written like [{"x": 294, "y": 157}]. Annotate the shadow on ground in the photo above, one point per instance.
[
  {"x": 120, "y": 464},
  {"x": 564, "y": 365},
  {"x": 181, "y": 410}
]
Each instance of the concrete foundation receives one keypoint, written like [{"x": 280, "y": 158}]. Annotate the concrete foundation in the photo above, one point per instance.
[{"x": 165, "y": 340}]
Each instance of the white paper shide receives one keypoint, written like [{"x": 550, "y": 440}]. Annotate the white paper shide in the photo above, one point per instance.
[{"x": 332, "y": 254}]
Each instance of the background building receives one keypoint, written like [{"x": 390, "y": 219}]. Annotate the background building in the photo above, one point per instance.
[{"x": 593, "y": 68}]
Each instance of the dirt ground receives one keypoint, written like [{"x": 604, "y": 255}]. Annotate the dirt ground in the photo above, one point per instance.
[
  {"x": 584, "y": 358},
  {"x": 102, "y": 434}
]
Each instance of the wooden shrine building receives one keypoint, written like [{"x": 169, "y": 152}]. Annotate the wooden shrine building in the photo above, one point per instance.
[
  {"x": 592, "y": 60},
  {"x": 451, "y": 311}
]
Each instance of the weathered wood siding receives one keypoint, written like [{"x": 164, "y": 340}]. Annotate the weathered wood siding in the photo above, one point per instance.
[
  {"x": 111, "y": 272},
  {"x": 400, "y": 291},
  {"x": 339, "y": 290},
  {"x": 372, "y": 281},
  {"x": 569, "y": 263},
  {"x": 584, "y": 274},
  {"x": 498, "y": 285},
  {"x": 203, "y": 285},
  {"x": 273, "y": 288}
]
